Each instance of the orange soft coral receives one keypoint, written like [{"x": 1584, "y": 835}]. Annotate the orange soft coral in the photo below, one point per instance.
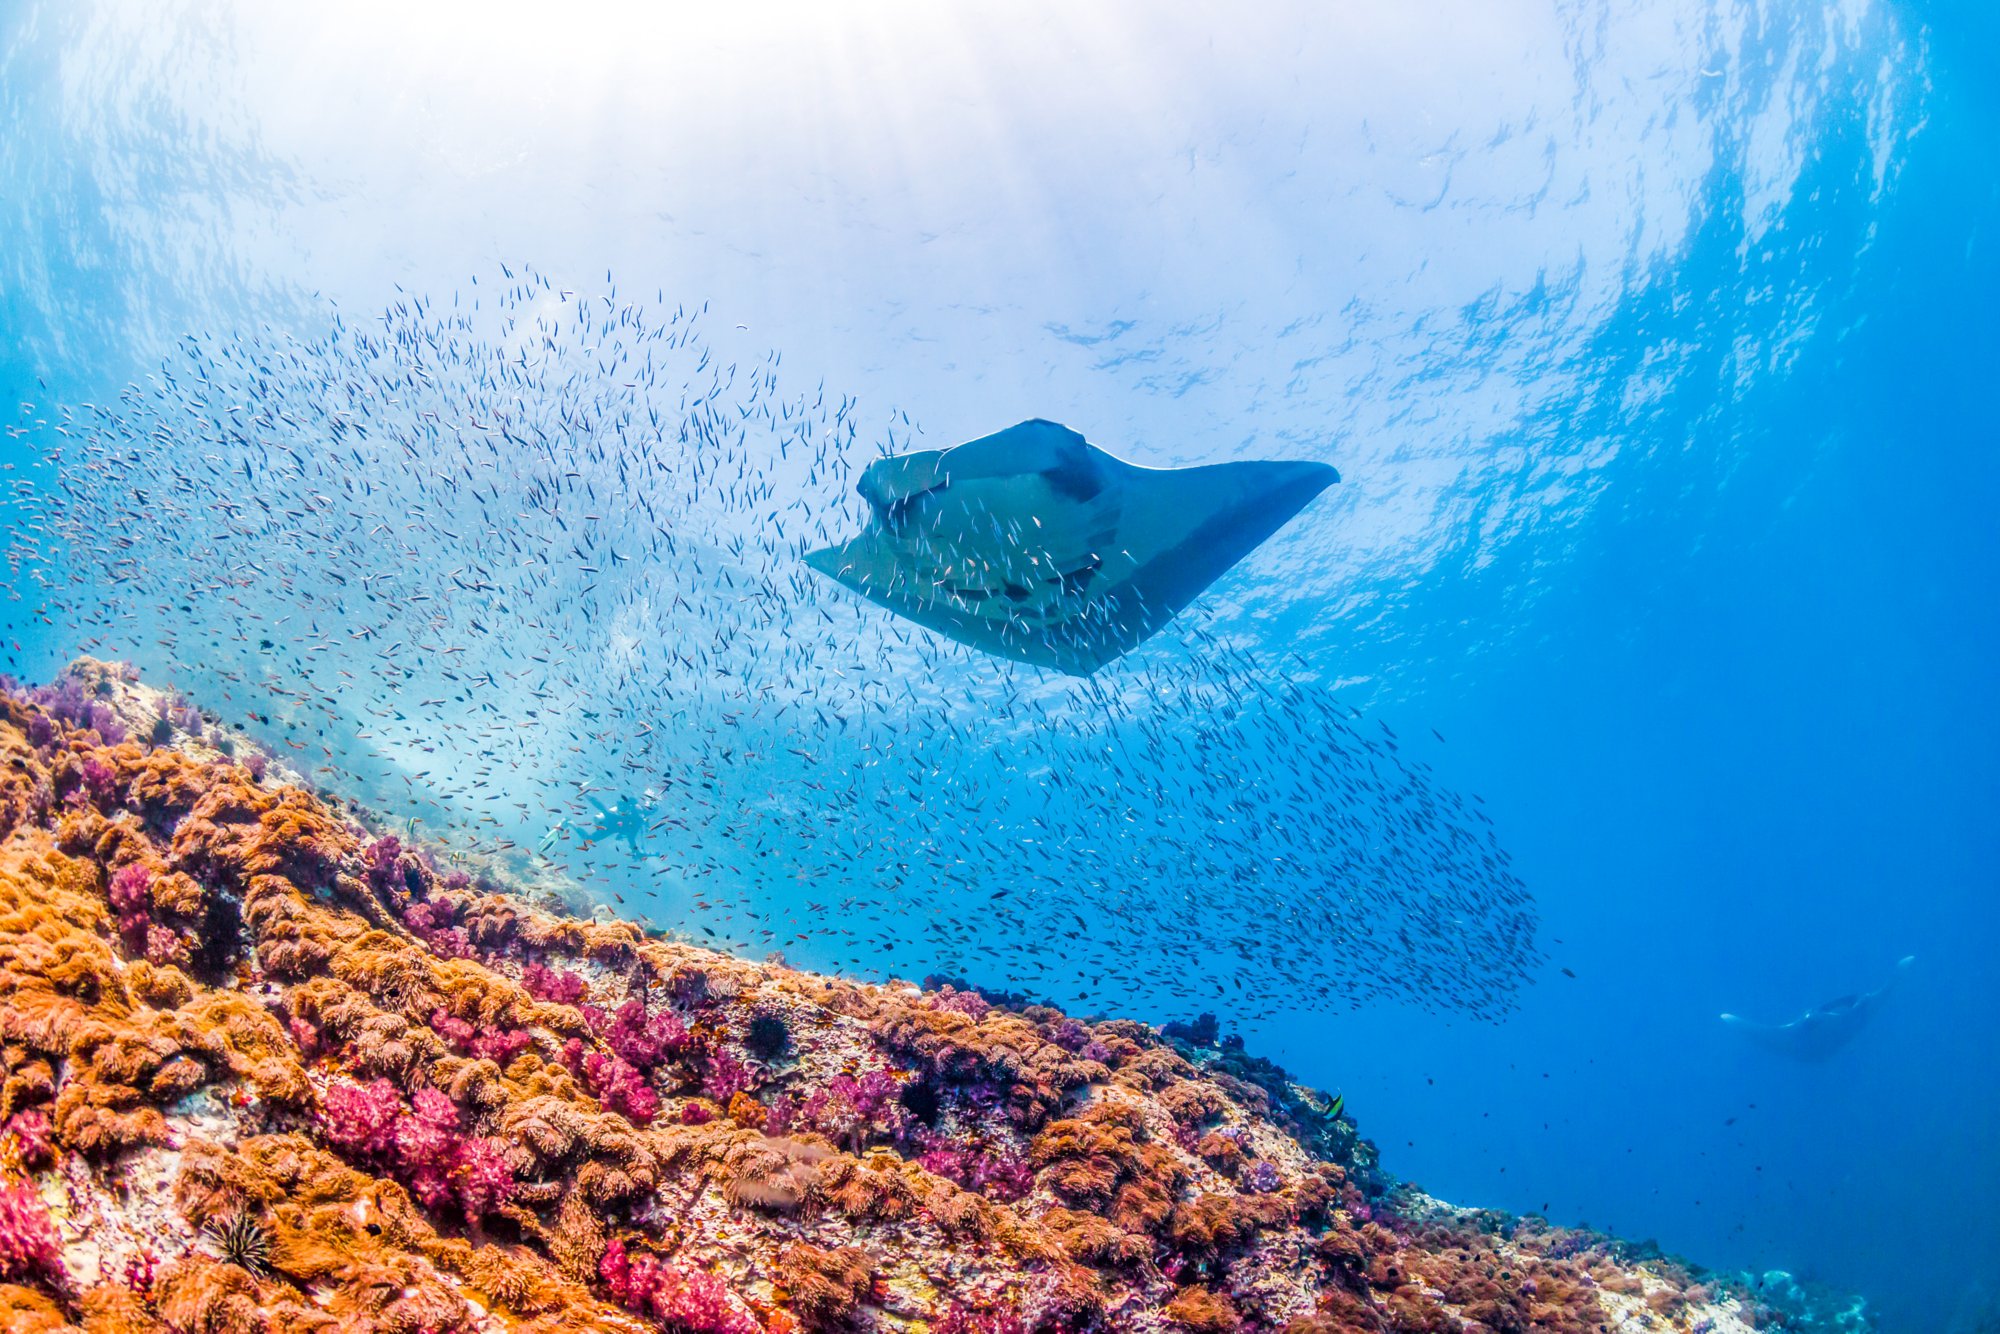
[{"x": 189, "y": 957}]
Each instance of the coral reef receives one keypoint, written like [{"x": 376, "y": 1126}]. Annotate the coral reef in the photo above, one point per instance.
[{"x": 262, "y": 1069}]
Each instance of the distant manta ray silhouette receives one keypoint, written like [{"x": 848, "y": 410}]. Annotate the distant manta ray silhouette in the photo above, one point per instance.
[
  {"x": 1824, "y": 1028},
  {"x": 1033, "y": 544}
]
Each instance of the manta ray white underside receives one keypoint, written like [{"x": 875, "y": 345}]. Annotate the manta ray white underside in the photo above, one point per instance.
[{"x": 1032, "y": 544}]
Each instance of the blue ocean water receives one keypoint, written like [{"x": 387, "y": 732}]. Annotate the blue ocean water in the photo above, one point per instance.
[{"x": 1652, "y": 342}]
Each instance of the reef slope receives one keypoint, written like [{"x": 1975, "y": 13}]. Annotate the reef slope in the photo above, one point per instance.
[{"x": 266, "y": 1069}]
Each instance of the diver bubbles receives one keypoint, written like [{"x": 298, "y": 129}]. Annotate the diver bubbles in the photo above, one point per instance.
[{"x": 523, "y": 565}]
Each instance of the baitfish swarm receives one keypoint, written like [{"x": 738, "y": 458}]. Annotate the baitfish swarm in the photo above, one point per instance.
[
  {"x": 268, "y": 1071},
  {"x": 526, "y": 567}
]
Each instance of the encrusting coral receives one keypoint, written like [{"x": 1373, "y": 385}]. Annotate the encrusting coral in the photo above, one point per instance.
[{"x": 261, "y": 1070}]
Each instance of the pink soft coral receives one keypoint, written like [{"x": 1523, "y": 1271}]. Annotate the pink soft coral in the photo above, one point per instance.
[
  {"x": 639, "y": 1037},
  {"x": 685, "y": 1300},
  {"x": 427, "y": 1142},
  {"x": 725, "y": 1078},
  {"x": 34, "y": 1141},
  {"x": 422, "y": 1144},
  {"x": 621, "y": 1087},
  {"x": 552, "y": 984},
  {"x": 131, "y": 895},
  {"x": 360, "y": 1119},
  {"x": 483, "y": 1177},
  {"x": 28, "y": 1247},
  {"x": 499, "y": 1045},
  {"x": 850, "y": 1111}
]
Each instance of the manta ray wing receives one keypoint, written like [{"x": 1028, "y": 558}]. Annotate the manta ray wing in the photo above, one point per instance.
[
  {"x": 1034, "y": 545},
  {"x": 1823, "y": 1029}
]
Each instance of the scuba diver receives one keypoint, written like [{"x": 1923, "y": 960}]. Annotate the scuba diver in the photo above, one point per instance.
[{"x": 627, "y": 821}]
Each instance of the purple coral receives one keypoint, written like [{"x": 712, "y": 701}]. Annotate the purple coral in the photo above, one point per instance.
[
  {"x": 130, "y": 893},
  {"x": 28, "y": 1246},
  {"x": 383, "y": 863},
  {"x": 685, "y": 1300},
  {"x": 850, "y": 1111},
  {"x": 66, "y": 701},
  {"x": 179, "y": 711},
  {"x": 432, "y": 921},
  {"x": 1068, "y": 1033},
  {"x": 100, "y": 781},
  {"x": 997, "y": 1173},
  {"x": 130, "y": 889},
  {"x": 725, "y": 1078},
  {"x": 131, "y": 898}
]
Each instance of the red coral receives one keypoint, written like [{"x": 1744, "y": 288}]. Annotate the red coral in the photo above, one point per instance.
[{"x": 28, "y": 1246}]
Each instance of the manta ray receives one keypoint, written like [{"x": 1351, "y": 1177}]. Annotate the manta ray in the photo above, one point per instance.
[
  {"x": 1033, "y": 544},
  {"x": 1824, "y": 1028}
]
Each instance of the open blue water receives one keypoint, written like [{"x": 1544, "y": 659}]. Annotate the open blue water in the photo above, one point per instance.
[{"x": 1654, "y": 342}]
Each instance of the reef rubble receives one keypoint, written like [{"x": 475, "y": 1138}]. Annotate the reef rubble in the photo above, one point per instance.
[{"x": 264, "y": 1068}]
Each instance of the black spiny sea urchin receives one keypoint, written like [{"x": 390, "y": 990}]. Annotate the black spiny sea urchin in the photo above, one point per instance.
[{"x": 241, "y": 1240}]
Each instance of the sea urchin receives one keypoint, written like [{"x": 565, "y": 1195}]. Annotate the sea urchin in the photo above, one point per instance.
[{"x": 241, "y": 1239}]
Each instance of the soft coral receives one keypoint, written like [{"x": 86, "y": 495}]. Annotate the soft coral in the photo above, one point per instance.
[
  {"x": 423, "y": 1144},
  {"x": 621, "y": 1087},
  {"x": 685, "y": 1300},
  {"x": 28, "y": 1246}
]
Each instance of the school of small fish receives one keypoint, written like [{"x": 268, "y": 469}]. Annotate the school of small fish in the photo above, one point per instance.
[{"x": 524, "y": 567}]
